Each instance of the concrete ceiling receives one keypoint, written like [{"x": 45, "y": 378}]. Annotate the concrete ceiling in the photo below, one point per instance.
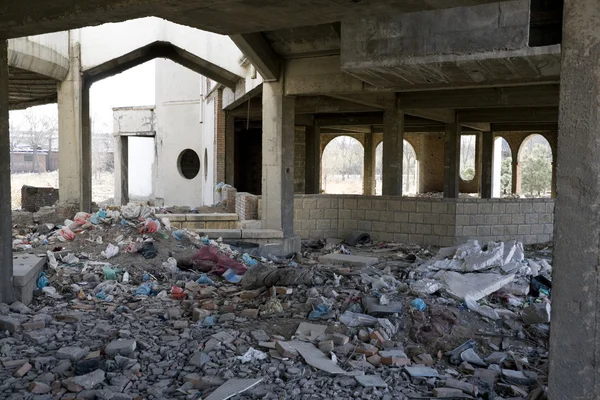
[
  {"x": 26, "y": 89},
  {"x": 18, "y": 18}
]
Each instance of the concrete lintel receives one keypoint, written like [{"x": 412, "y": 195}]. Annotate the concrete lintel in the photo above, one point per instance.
[
  {"x": 260, "y": 53},
  {"x": 515, "y": 96},
  {"x": 350, "y": 119},
  {"x": 375, "y": 100},
  {"x": 446, "y": 116},
  {"x": 499, "y": 115},
  {"x": 479, "y": 126},
  {"x": 524, "y": 127},
  {"x": 325, "y": 104}
]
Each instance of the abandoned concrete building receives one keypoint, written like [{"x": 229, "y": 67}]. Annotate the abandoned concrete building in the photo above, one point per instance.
[{"x": 292, "y": 76}]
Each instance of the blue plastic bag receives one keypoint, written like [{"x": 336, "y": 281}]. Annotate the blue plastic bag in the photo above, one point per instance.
[
  {"x": 205, "y": 280},
  {"x": 249, "y": 261},
  {"x": 418, "y": 304},
  {"x": 42, "y": 281},
  {"x": 319, "y": 312},
  {"x": 144, "y": 289},
  {"x": 231, "y": 277},
  {"x": 95, "y": 219},
  {"x": 209, "y": 321},
  {"x": 178, "y": 234}
]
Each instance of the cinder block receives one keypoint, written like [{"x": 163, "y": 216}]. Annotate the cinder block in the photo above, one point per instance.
[
  {"x": 365, "y": 226},
  {"x": 498, "y": 208},
  {"x": 549, "y": 229},
  {"x": 261, "y": 234},
  {"x": 330, "y": 233},
  {"x": 223, "y": 233},
  {"x": 317, "y": 234},
  {"x": 323, "y": 203},
  {"x": 350, "y": 204},
  {"x": 524, "y": 230},
  {"x": 216, "y": 225},
  {"x": 26, "y": 269},
  {"x": 537, "y": 229},
  {"x": 330, "y": 214},
  {"x": 372, "y": 215},
  {"x": 378, "y": 226},
  {"x": 309, "y": 224},
  {"x": 485, "y": 208},
  {"x": 302, "y": 214},
  {"x": 423, "y": 206},
  {"x": 539, "y": 207},
  {"x": 409, "y": 206},
  {"x": 424, "y": 229},
  {"x": 363, "y": 204},
  {"x": 394, "y": 205},
  {"x": 530, "y": 239},
  {"x": 458, "y": 231},
  {"x": 550, "y": 206},
  {"x": 477, "y": 219},
  {"x": 324, "y": 224},
  {"x": 532, "y": 218},
  {"x": 386, "y": 237},
  {"x": 544, "y": 238},
  {"x": 518, "y": 219},
  {"x": 511, "y": 230},
  {"x": 335, "y": 224},
  {"x": 450, "y": 219},
  {"x": 415, "y": 239},
  {"x": 470, "y": 231},
  {"x": 491, "y": 219},
  {"x": 497, "y": 230},
  {"x": 344, "y": 214},
  {"x": 172, "y": 217},
  {"x": 409, "y": 228},
  {"x": 298, "y": 203},
  {"x": 192, "y": 225},
  {"x": 359, "y": 214},
  {"x": 379, "y": 204},
  {"x": 440, "y": 230},
  {"x": 302, "y": 233},
  {"x": 416, "y": 218},
  {"x": 316, "y": 214},
  {"x": 505, "y": 219},
  {"x": 350, "y": 225},
  {"x": 431, "y": 218},
  {"x": 392, "y": 227},
  {"x": 460, "y": 208},
  {"x": 513, "y": 208},
  {"x": 310, "y": 204},
  {"x": 386, "y": 216},
  {"x": 546, "y": 218},
  {"x": 430, "y": 240},
  {"x": 526, "y": 207},
  {"x": 400, "y": 238},
  {"x": 400, "y": 216},
  {"x": 439, "y": 207},
  {"x": 335, "y": 203},
  {"x": 484, "y": 231},
  {"x": 211, "y": 217},
  {"x": 471, "y": 208}
]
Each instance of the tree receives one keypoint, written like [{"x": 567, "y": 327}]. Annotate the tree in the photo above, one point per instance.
[
  {"x": 506, "y": 176},
  {"x": 37, "y": 133},
  {"x": 467, "y": 157},
  {"x": 536, "y": 171}
]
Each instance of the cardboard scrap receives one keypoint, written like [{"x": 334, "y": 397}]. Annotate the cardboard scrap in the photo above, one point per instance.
[
  {"x": 233, "y": 387},
  {"x": 315, "y": 357}
]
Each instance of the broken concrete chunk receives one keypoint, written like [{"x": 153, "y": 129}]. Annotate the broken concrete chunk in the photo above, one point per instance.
[
  {"x": 442, "y": 393},
  {"x": 474, "y": 286},
  {"x": 286, "y": 350},
  {"x": 537, "y": 313},
  {"x": 465, "y": 387},
  {"x": 374, "y": 308},
  {"x": 123, "y": 347},
  {"x": 70, "y": 353},
  {"x": 371, "y": 381},
  {"x": 233, "y": 387},
  {"x": 425, "y": 286},
  {"x": 519, "y": 377},
  {"x": 343, "y": 259},
  {"x": 421, "y": 372}
]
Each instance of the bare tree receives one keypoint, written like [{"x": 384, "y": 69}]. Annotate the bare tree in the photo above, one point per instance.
[{"x": 38, "y": 132}]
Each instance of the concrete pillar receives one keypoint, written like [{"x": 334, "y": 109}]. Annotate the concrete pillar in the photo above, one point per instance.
[
  {"x": 278, "y": 159},
  {"x": 70, "y": 133},
  {"x": 516, "y": 176},
  {"x": 487, "y": 159},
  {"x": 369, "y": 179},
  {"x": 393, "y": 151},
  {"x": 312, "y": 165},
  {"x": 121, "y": 170},
  {"x": 230, "y": 150},
  {"x": 451, "y": 160},
  {"x": 575, "y": 334},
  {"x": 6, "y": 261}
]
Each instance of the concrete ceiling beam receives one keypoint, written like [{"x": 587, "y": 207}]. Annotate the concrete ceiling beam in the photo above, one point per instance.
[
  {"x": 516, "y": 96},
  {"x": 260, "y": 53},
  {"x": 324, "y": 104},
  {"x": 509, "y": 115},
  {"x": 539, "y": 127}
]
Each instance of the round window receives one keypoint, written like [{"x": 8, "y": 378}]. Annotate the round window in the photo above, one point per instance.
[
  {"x": 188, "y": 164},
  {"x": 205, "y": 164}
]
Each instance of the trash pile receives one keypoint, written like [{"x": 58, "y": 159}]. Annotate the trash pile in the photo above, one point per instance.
[{"x": 129, "y": 307}]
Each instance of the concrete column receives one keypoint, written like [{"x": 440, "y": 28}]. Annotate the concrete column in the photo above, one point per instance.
[
  {"x": 6, "y": 261},
  {"x": 575, "y": 334},
  {"x": 487, "y": 160},
  {"x": 369, "y": 165},
  {"x": 230, "y": 150},
  {"x": 393, "y": 151},
  {"x": 121, "y": 170},
  {"x": 451, "y": 160},
  {"x": 516, "y": 176},
  {"x": 70, "y": 133},
  {"x": 312, "y": 165},
  {"x": 278, "y": 159}
]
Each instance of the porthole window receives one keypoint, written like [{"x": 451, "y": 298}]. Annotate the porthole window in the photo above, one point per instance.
[{"x": 188, "y": 164}]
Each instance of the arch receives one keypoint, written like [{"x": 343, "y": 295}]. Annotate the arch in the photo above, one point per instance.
[
  {"x": 160, "y": 49},
  {"x": 502, "y": 171},
  {"x": 535, "y": 160},
  {"x": 410, "y": 169},
  {"x": 342, "y": 165}
]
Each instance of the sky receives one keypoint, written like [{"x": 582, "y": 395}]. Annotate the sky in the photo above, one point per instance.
[{"x": 134, "y": 87}]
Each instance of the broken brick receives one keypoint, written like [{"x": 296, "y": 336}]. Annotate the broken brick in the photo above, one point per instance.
[
  {"x": 286, "y": 350},
  {"x": 280, "y": 290},
  {"x": 21, "y": 372},
  {"x": 200, "y": 314},
  {"x": 251, "y": 294},
  {"x": 250, "y": 313},
  {"x": 367, "y": 349}
]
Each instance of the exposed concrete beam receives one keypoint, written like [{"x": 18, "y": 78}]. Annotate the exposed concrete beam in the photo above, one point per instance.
[
  {"x": 345, "y": 129},
  {"x": 350, "y": 119},
  {"x": 241, "y": 100},
  {"x": 498, "y": 115},
  {"x": 319, "y": 76},
  {"x": 260, "y": 53},
  {"x": 32, "y": 56},
  {"x": 539, "y": 127},
  {"x": 376, "y": 100},
  {"x": 21, "y": 105},
  {"x": 516, "y": 96},
  {"x": 324, "y": 104},
  {"x": 479, "y": 126},
  {"x": 161, "y": 49},
  {"x": 440, "y": 115}
]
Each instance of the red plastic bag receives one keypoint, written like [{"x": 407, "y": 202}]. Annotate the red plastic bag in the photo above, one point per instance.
[
  {"x": 150, "y": 226},
  {"x": 178, "y": 293},
  {"x": 209, "y": 258},
  {"x": 67, "y": 233}
]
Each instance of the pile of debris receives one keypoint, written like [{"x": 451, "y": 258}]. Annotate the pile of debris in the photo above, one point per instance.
[{"x": 130, "y": 308}]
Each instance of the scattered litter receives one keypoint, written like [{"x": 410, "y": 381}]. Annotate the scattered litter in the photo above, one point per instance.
[
  {"x": 418, "y": 304},
  {"x": 111, "y": 251},
  {"x": 252, "y": 355},
  {"x": 233, "y": 387}
]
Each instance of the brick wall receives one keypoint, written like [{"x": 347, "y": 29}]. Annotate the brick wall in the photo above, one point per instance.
[
  {"x": 246, "y": 206},
  {"x": 529, "y": 220},
  {"x": 440, "y": 222},
  {"x": 299, "y": 159},
  {"x": 32, "y": 198},
  {"x": 220, "y": 121}
]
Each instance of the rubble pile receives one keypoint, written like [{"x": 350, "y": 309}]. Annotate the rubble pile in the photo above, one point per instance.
[{"x": 129, "y": 307}]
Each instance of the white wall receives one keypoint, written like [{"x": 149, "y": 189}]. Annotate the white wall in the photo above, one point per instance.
[
  {"x": 178, "y": 128},
  {"x": 141, "y": 160}
]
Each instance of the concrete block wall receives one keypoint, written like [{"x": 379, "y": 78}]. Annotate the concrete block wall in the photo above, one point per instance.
[
  {"x": 246, "y": 206},
  {"x": 33, "y": 198},
  {"x": 529, "y": 220},
  {"x": 423, "y": 221},
  {"x": 202, "y": 221}
]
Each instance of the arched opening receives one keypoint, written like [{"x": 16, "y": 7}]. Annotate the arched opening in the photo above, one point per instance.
[
  {"x": 467, "y": 157},
  {"x": 342, "y": 166},
  {"x": 502, "y": 168},
  {"x": 535, "y": 167},
  {"x": 410, "y": 169}
]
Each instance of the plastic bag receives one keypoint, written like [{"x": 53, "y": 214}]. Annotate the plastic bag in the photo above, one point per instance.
[
  {"x": 70, "y": 259},
  {"x": 178, "y": 234},
  {"x": 42, "y": 281},
  {"x": 111, "y": 251},
  {"x": 171, "y": 265},
  {"x": 52, "y": 263},
  {"x": 231, "y": 277},
  {"x": 148, "y": 250},
  {"x": 66, "y": 233},
  {"x": 418, "y": 304},
  {"x": 109, "y": 274},
  {"x": 351, "y": 319},
  {"x": 51, "y": 292},
  {"x": 150, "y": 226},
  {"x": 205, "y": 280},
  {"x": 143, "y": 290},
  {"x": 178, "y": 293},
  {"x": 249, "y": 261},
  {"x": 319, "y": 312},
  {"x": 166, "y": 222},
  {"x": 252, "y": 355}
]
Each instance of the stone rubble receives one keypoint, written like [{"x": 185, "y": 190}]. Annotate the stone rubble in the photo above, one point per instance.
[{"x": 175, "y": 331}]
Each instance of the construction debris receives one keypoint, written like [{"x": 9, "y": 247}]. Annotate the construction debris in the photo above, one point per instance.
[{"x": 199, "y": 318}]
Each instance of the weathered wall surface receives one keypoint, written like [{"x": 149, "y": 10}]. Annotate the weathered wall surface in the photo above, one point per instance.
[{"x": 440, "y": 222}]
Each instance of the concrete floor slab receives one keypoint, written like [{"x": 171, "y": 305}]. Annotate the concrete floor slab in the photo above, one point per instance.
[{"x": 26, "y": 269}]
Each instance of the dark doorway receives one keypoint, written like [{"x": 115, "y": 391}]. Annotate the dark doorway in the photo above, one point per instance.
[{"x": 248, "y": 157}]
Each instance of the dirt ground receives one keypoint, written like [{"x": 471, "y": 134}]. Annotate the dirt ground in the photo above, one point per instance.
[{"x": 102, "y": 185}]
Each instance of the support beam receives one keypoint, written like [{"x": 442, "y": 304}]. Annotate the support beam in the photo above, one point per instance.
[
  {"x": 574, "y": 371},
  {"x": 510, "y": 115},
  {"x": 230, "y": 150},
  {"x": 312, "y": 171},
  {"x": 121, "y": 170},
  {"x": 70, "y": 128},
  {"x": 451, "y": 161},
  {"x": 487, "y": 159},
  {"x": 260, "y": 53},
  {"x": 278, "y": 159},
  {"x": 369, "y": 181},
  {"x": 6, "y": 260},
  {"x": 393, "y": 152}
]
